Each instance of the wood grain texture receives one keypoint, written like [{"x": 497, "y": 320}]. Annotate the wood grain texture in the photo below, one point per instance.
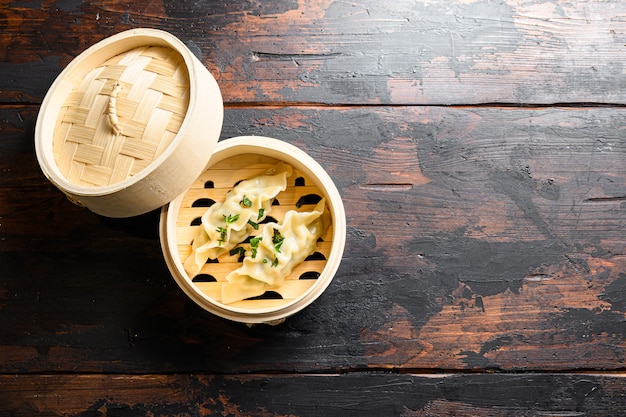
[
  {"x": 314, "y": 395},
  {"x": 478, "y": 238},
  {"x": 478, "y": 147},
  {"x": 334, "y": 52}
]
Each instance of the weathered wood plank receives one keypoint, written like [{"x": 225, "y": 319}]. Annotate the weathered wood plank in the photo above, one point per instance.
[
  {"x": 358, "y": 394},
  {"x": 335, "y": 52},
  {"x": 478, "y": 238}
]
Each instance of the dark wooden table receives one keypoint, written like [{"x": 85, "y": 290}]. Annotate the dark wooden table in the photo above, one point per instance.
[{"x": 480, "y": 151}]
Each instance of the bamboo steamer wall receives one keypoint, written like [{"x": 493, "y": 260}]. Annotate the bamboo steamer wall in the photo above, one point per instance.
[{"x": 129, "y": 124}]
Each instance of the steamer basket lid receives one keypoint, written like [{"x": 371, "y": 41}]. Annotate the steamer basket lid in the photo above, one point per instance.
[
  {"x": 122, "y": 116},
  {"x": 128, "y": 109}
]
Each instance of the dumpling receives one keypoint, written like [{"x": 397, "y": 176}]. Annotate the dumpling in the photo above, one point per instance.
[
  {"x": 275, "y": 252},
  {"x": 226, "y": 224}
]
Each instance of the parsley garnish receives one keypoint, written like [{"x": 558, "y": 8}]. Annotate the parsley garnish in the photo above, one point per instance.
[
  {"x": 277, "y": 240},
  {"x": 254, "y": 225},
  {"x": 246, "y": 202},
  {"x": 239, "y": 250},
  {"x": 275, "y": 263},
  {"x": 222, "y": 231},
  {"x": 254, "y": 245},
  {"x": 261, "y": 211},
  {"x": 230, "y": 218}
]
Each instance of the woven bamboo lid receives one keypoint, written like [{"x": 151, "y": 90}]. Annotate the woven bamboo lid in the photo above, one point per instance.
[{"x": 129, "y": 124}]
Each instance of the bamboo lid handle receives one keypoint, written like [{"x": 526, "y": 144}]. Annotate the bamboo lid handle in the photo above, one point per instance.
[{"x": 112, "y": 109}]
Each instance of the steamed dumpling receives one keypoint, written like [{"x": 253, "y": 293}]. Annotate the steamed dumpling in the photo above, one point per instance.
[
  {"x": 275, "y": 252},
  {"x": 226, "y": 224}
]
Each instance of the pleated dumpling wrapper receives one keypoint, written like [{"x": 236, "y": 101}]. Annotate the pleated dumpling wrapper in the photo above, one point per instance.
[
  {"x": 275, "y": 252},
  {"x": 228, "y": 223}
]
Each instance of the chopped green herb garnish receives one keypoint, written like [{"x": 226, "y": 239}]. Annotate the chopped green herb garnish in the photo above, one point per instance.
[
  {"x": 254, "y": 225},
  {"x": 230, "y": 218},
  {"x": 254, "y": 245},
  {"x": 246, "y": 202},
  {"x": 222, "y": 231},
  {"x": 277, "y": 240},
  {"x": 261, "y": 211},
  {"x": 264, "y": 260},
  {"x": 275, "y": 263},
  {"x": 239, "y": 250}
]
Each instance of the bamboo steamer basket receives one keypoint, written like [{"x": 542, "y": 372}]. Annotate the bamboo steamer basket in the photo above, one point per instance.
[
  {"x": 129, "y": 124},
  {"x": 237, "y": 159}
]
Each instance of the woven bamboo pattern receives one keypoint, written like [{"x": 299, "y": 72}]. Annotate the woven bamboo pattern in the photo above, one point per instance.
[
  {"x": 148, "y": 107},
  {"x": 211, "y": 186}
]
